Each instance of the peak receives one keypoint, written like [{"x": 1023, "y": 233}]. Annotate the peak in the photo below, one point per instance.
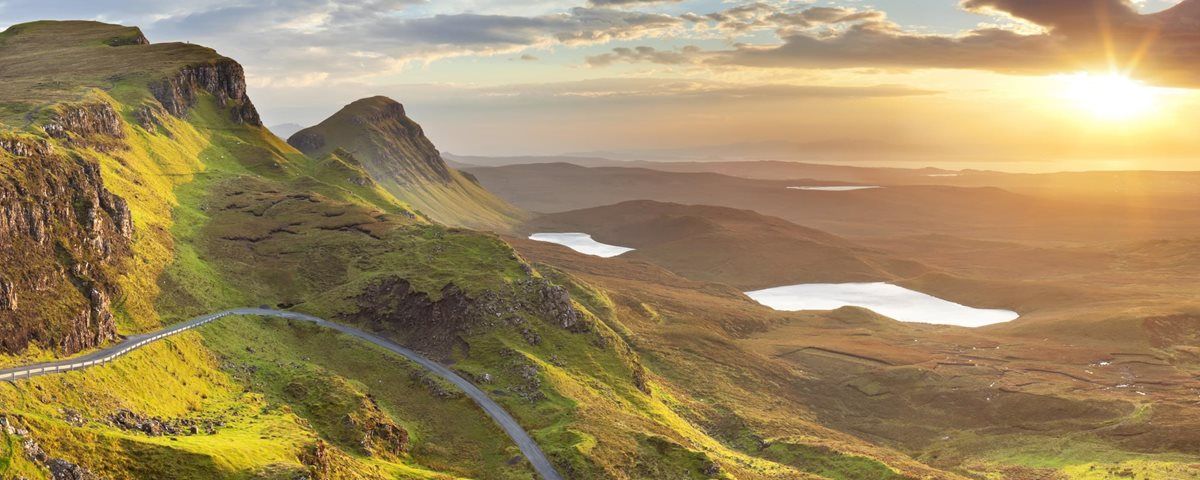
[
  {"x": 379, "y": 100},
  {"x": 373, "y": 106}
]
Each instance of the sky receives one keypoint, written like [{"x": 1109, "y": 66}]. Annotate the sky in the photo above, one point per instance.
[{"x": 1011, "y": 84}]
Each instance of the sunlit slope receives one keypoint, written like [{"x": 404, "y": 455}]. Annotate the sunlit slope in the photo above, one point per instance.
[
  {"x": 376, "y": 134},
  {"x": 222, "y": 213}
]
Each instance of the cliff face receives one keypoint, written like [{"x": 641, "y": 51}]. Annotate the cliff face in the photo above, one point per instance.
[
  {"x": 62, "y": 238},
  {"x": 222, "y": 78}
]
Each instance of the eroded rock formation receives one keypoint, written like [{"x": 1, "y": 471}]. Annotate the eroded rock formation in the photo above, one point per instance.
[
  {"x": 62, "y": 237},
  {"x": 222, "y": 78}
]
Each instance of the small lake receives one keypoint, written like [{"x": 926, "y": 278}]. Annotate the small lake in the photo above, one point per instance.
[
  {"x": 582, "y": 243},
  {"x": 883, "y": 298},
  {"x": 836, "y": 188}
]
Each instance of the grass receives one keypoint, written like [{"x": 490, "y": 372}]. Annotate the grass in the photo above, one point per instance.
[
  {"x": 1081, "y": 457},
  {"x": 335, "y": 374},
  {"x": 228, "y": 215},
  {"x": 828, "y": 463}
]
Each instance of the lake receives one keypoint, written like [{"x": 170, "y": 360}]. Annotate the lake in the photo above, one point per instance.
[
  {"x": 582, "y": 243},
  {"x": 883, "y": 298}
]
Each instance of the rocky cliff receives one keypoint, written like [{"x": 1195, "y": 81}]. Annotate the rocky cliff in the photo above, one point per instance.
[
  {"x": 62, "y": 237},
  {"x": 223, "y": 78}
]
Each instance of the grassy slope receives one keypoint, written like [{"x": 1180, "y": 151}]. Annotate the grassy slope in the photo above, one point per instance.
[
  {"x": 229, "y": 215},
  {"x": 164, "y": 176},
  {"x": 764, "y": 389},
  {"x": 198, "y": 249}
]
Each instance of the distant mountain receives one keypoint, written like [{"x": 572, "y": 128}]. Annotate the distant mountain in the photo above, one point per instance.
[
  {"x": 725, "y": 245},
  {"x": 376, "y": 134},
  {"x": 764, "y": 150},
  {"x": 470, "y": 161},
  {"x": 974, "y": 212},
  {"x": 285, "y": 130}
]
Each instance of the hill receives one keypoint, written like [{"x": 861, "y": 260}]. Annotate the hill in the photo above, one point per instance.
[
  {"x": 971, "y": 212},
  {"x": 375, "y": 134},
  {"x": 737, "y": 247},
  {"x": 140, "y": 189}
]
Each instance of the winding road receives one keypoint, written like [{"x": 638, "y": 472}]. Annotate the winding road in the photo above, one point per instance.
[{"x": 510, "y": 426}]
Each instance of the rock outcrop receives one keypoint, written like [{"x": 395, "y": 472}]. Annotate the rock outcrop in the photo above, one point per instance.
[
  {"x": 155, "y": 426},
  {"x": 95, "y": 125},
  {"x": 224, "y": 79},
  {"x": 555, "y": 304},
  {"x": 60, "y": 469},
  {"x": 62, "y": 237},
  {"x": 389, "y": 304},
  {"x": 381, "y": 436}
]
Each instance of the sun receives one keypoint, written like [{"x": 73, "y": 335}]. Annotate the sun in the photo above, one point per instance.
[{"x": 1110, "y": 97}]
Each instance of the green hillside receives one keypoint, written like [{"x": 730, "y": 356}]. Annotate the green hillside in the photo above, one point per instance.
[
  {"x": 184, "y": 204},
  {"x": 375, "y": 134}
]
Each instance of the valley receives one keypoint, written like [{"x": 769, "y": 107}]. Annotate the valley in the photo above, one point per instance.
[{"x": 428, "y": 316}]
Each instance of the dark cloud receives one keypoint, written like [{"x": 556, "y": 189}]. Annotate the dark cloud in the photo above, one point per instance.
[
  {"x": 1068, "y": 17},
  {"x": 1074, "y": 35},
  {"x": 876, "y": 44}
]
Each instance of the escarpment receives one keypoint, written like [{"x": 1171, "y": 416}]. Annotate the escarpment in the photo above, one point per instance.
[
  {"x": 223, "y": 78},
  {"x": 63, "y": 237}
]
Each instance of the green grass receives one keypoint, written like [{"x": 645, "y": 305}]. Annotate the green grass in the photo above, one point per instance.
[
  {"x": 321, "y": 376},
  {"x": 228, "y": 215},
  {"x": 828, "y": 463}
]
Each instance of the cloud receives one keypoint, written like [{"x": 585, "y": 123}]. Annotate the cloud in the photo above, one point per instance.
[
  {"x": 1068, "y": 35},
  {"x": 766, "y": 16},
  {"x": 875, "y": 44},
  {"x": 626, "y": 3},
  {"x": 295, "y": 43},
  {"x": 666, "y": 90},
  {"x": 644, "y": 55}
]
